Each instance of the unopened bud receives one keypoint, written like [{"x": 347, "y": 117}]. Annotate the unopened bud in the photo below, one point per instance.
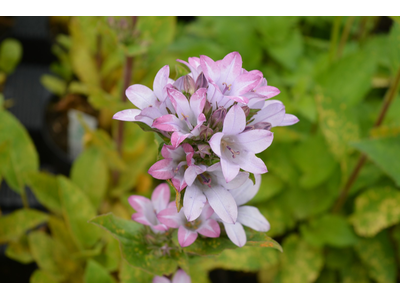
[
  {"x": 246, "y": 110},
  {"x": 218, "y": 117},
  {"x": 188, "y": 84},
  {"x": 201, "y": 81},
  {"x": 204, "y": 150},
  {"x": 206, "y": 132},
  {"x": 263, "y": 125},
  {"x": 207, "y": 108}
]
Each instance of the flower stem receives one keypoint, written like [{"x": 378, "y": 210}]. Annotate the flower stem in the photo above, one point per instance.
[
  {"x": 345, "y": 35},
  {"x": 334, "y": 38},
  {"x": 388, "y": 99}
]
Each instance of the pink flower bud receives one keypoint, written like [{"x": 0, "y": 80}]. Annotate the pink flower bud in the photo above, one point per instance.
[
  {"x": 201, "y": 81},
  {"x": 218, "y": 117}
]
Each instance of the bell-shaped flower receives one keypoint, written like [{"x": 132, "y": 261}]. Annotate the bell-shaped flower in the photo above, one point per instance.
[
  {"x": 178, "y": 164},
  {"x": 247, "y": 215},
  {"x": 179, "y": 277},
  {"x": 146, "y": 210},
  {"x": 237, "y": 147},
  {"x": 188, "y": 118},
  {"x": 211, "y": 187},
  {"x": 260, "y": 93},
  {"x": 150, "y": 104},
  {"x": 188, "y": 230},
  {"x": 227, "y": 80}
]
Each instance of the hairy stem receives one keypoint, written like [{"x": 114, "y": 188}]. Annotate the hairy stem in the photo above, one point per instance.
[{"x": 388, "y": 99}]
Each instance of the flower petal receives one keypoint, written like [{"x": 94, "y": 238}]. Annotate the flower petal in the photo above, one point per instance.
[
  {"x": 127, "y": 115},
  {"x": 145, "y": 211},
  {"x": 141, "y": 96},
  {"x": 251, "y": 163},
  {"x": 251, "y": 217},
  {"x": 169, "y": 123},
  {"x": 215, "y": 143},
  {"x": 235, "y": 121},
  {"x": 209, "y": 228},
  {"x": 163, "y": 169},
  {"x": 210, "y": 68},
  {"x": 273, "y": 113},
  {"x": 289, "y": 120},
  {"x": 256, "y": 140},
  {"x": 231, "y": 67},
  {"x": 161, "y": 279},
  {"x": 186, "y": 237},
  {"x": 246, "y": 191},
  {"x": 193, "y": 202},
  {"x": 197, "y": 101},
  {"x": 229, "y": 169},
  {"x": 180, "y": 103},
  {"x": 181, "y": 277},
  {"x": 178, "y": 137},
  {"x": 171, "y": 217},
  {"x": 160, "y": 81},
  {"x": 222, "y": 202},
  {"x": 244, "y": 83},
  {"x": 236, "y": 233},
  {"x": 160, "y": 197}
]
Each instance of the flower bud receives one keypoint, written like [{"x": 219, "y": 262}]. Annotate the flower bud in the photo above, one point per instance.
[
  {"x": 246, "y": 110},
  {"x": 188, "y": 84},
  {"x": 201, "y": 81},
  {"x": 206, "y": 132},
  {"x": 207, "y": 108},
  {"x": 218, "y": 117},
  {"x": 204, "y": 150},
  {"x": 263, "y": 125}
]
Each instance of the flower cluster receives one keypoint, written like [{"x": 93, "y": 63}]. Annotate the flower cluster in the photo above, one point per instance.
[{"x": 213, "y": 121}]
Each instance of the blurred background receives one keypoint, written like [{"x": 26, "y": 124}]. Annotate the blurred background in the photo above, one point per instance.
[{"x": 332, "y": 191}]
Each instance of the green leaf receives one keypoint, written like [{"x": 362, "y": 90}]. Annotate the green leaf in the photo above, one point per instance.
[
  {"x": 383, "y": 152},
  {"x": 54, "y": 84},
  {"x": 19, "y": 251},
  {"x": 301, "y": 262},
  {"x": 78, "y": 210},
  {"x": 61, "y": 233},
  {"x": 45, "y": 188},
  {"x": 10, "y": 54},
  {"x": 271, "y": 185},
  {"x": 207, "y": 246},
  {"x": 131, "y": 274},
  {"x": 375, "y": 210},
  {"x": 396, "y": 19},
  {"x": 43, "y": 251},
  {"x": 354, "y": 272},
  {"x": 134, "y": 249},
  {"x": 17, "y": 152},
  {"x": 110, "y": 259},
  {"x": 40, "y": 276},
  {"x": 90, "y": 173},
  {"x": 378, "y": 256},
  {"x": 95, "y": 273},
  {"x": 15, "y": 224},
  {"x": 393, "y": 48},
  {"x": 314, "y": 160},
  {"x": 330, "y": 230}
]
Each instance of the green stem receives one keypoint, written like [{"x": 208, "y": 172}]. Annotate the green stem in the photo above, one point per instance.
[
  {"x": 388, "y": 99},
  {"x": 345, "y": 35},
  {"x": 334, "y": 38},
  {"x": 25, "y": 202}
]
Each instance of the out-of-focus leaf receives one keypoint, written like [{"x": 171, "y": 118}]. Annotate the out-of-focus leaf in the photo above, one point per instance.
[
  {"x": 40, "y": 276},
  {"x": 349, "y": 79},
  {"x": 378, "y": 257},
  {"x": 1, "y": 96},
  {"x": 54, "y": 84},
  {"x": 19, "y": 251},
  {"x": 384, "y": 152},
  {"x": 395, "y": 233},
  {"x": 111, "y": 257},
  {"x": 301, "y": 262},
  {"x": 315, "y": 161},
  {"x": 394, "y": 48},
  {"x": 90, "y": 173},
  {"x": 330, "y": 230},
  {"x": 17, "y": 152},
  {"x": 131, "y": 274},
  {"x": 95, "y": 273},
  {"x": 396, "y": 19},
  {"x": 43, "y": 251},
  {"x": 15, "y": 224},
  {"x": 10, "y": 54},
  {"x": 271, "y": 185},
  {"x": 327, "y": 276},
  {"x": 133, "y": 248},
  {"x": 339, "y": 125},
  {"x": 278, "y": 215},
  {"x": 376, "y": 209},
  {"x": 78, "y": 210},
  {"x": 61, "y": 233},
  {"x": 45, "y": 189},
  {"x": 354, "y": 272}
]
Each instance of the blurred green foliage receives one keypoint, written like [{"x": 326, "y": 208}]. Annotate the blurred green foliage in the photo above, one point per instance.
[{"x": 333, "y": 73}]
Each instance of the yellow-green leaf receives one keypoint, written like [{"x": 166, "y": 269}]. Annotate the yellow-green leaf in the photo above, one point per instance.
[
  {"x": 95, "y": 273},
  {"x": 10, "y": 54},
  {"x": 40, "y": 276},
  {"x": 54, "y": 84},
  {"x": 131, "y": 274},
  {"x": 19, "y": 251}
]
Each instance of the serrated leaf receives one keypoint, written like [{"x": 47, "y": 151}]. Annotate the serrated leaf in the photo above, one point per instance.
[
  {"x": 10, "y": 54},
  {"x": 378, "y": 256},
  {"x": 90, "y": 173},
  {"x": 45, "y": 188},
  {"x": 95, "y": 273},
  {"x": 375, "y": 210},
  {"x": 332, "y": 230},
  {"x": 78, "y": 210},
  {"x": 301, "y": 262},
  {"x": 15, "y": 224},
  {"x": 17, "y": 152},
  {"x": 133, "y": 248},
  {"x": 384, "y": 152},
  {"x": 54, "y": 84}
]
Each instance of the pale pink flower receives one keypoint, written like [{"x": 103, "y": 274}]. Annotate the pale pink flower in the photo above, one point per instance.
[{"x": 179, "y": 277}]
